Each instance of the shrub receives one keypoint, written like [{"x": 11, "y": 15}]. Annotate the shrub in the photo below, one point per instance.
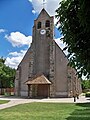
[{"x": 87, "y": 94}]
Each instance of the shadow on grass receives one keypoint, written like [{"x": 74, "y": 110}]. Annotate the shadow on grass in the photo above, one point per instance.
[{"x": 81, "y": 113}]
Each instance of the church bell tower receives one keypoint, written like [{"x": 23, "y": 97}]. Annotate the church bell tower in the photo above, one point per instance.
[{"x": 43, "y": 33}]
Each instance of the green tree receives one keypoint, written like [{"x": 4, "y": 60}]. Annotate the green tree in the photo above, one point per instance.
[
  {"x": 74, "y": 19},
  {"x": 7, "y": 75},
  {"x": 85, "y": 84}
]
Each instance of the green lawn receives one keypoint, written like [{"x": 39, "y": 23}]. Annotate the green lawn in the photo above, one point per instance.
[
  {"x": 47, "y": 111},
  {"x": 4, "y": 101}
]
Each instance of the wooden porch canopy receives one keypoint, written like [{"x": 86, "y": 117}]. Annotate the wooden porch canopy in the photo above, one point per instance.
[
  {"x": 38, "y": 80},
  {"x": 41, "y": 86}
]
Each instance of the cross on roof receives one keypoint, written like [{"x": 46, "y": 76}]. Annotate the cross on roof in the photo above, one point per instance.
[{"x": 44, "y": 2}]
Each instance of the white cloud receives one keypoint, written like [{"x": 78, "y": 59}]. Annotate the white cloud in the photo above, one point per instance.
[
  {"x": 50, "y": 6},
  {"x": 18, "y": 39},
  {"x": 2, "y": 30},
  {"x": 55, "y": 21},
  {"x": 14, "y": 58},
  {"x": 30, "y": 0},
  {"x": 33, "y": 11}
]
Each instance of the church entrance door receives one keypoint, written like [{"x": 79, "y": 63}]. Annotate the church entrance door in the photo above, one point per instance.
[{"x": 43, "y": 90}]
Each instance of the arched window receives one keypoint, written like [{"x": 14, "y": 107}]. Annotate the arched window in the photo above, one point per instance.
[
  {"x": 47, "y": 23},
  {"x": 39, "y": 25}
]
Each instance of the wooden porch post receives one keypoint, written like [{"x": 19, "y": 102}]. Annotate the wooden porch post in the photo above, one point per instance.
[
  {"x": 48, "y": 91},
  {"x": 28, "y": 90}
]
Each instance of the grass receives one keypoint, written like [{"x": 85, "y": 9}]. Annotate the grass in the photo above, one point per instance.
[
  {"x": 4, "y": 101},
  {"x": 47, "y": 111}
]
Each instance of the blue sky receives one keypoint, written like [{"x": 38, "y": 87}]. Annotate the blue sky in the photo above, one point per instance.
[{"x": 16, "y": 22}]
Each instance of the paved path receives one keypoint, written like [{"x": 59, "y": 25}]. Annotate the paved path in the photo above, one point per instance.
[{"x": 16, "y": 101}]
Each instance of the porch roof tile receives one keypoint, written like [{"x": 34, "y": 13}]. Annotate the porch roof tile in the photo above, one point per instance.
[{"x": 38, "y": 80}]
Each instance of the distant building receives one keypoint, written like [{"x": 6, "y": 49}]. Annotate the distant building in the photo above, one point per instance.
[{"x": 44, "y": 70}]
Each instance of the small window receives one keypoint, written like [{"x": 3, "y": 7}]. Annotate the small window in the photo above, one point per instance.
[
  {"x": 47, "y": 23},
  {"x": 39, "y": 25}
]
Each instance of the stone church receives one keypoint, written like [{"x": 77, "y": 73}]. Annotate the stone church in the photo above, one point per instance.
[{"x": 44, "y": 70}]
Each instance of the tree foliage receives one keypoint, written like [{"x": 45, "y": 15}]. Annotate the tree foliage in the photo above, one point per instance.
[
  {"x": 7, "y": 75},
  {"x": 74, "y": 19},
  {"x": 85, "y": 84}
]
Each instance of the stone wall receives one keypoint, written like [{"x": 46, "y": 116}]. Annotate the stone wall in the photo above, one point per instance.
[{"x": 74, "y": 83}]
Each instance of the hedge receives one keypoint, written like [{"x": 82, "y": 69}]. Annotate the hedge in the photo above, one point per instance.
[{"x": 87, "y": 94}]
